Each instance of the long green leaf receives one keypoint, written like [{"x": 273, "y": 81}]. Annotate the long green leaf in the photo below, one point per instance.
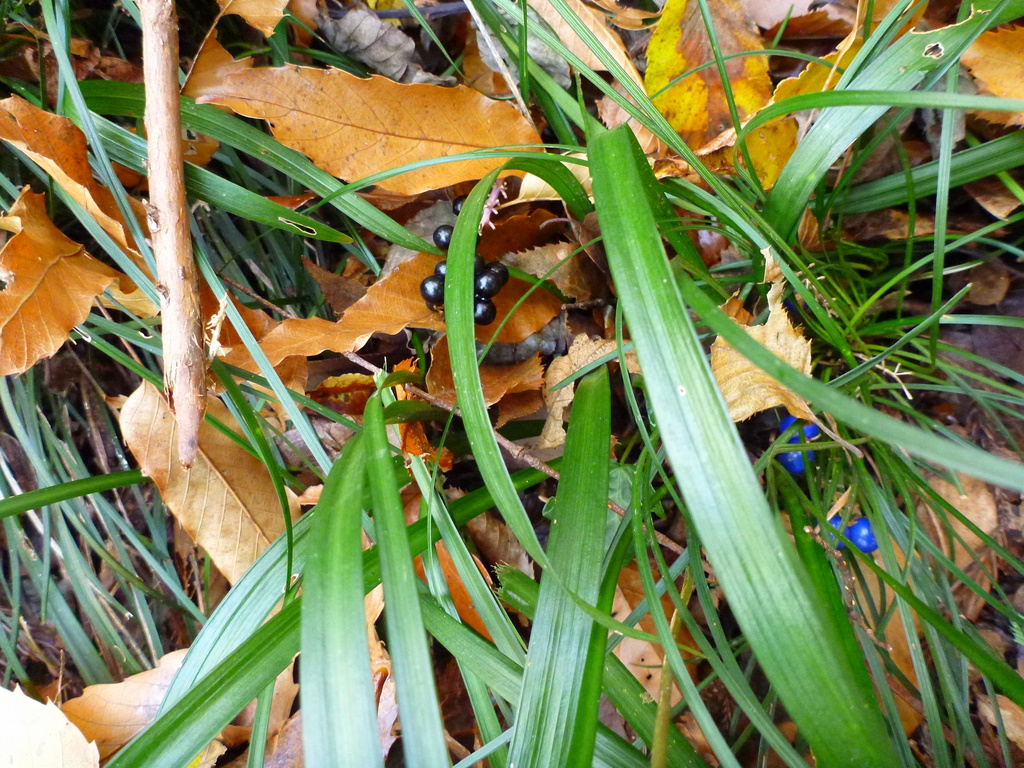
[
  {"x": 555, "y": 723},
  {"x": 768, "y": 589},
  {"x": 339, "y": 711}
]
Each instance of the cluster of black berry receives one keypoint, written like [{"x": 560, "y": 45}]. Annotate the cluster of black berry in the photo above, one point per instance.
[{"x": 487, "y": 281}]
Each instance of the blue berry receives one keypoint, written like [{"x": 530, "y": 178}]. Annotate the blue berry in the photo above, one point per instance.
[
  {"x": 792, "y": 461},
  {"x": 811, "y": 431},
  {"x": 441, "y": 269},
  {"x": 862, "y": 535}
]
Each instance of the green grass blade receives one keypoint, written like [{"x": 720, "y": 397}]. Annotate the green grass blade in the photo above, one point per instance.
[
  {"x": 339, "y": 713},
  {"x": 422, "y": 726},
  {"x": 554, "y": 723},
  {"x": 40, "y": 497},
  {"x": 767, "y": 587}
]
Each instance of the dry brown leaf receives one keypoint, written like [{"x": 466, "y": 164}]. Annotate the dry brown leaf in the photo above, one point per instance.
[
  {"x": 354, "y": 127},
  {"x": 112, "y": 713},
  {"x": 1011, "y": 713},
  {"x": 994, "y": 196},
  {"x": 696, "y": 107},
  {"x": 577, "y": 277},
  {"x": 625, "y": 17},
  {"x": 285, "y": 692},
  {"x": 38, "y": 735},
  {"x": 341, "y": 292},
  {"x": 978, "y": 505},
  {"x": 262, "y": 14},
  {"x": 496, "y": 380},
  {"x": 613, "y": 114},
  {"x": 595, "y": 21},
  {"x": 518, "y": 405},
  {"x": 284, "y": 746},
  {"x": 49, "y": 284},
  {"x": 498, "y": 544},
  {"x": 226, "y": 501},
  {"x": 746, "y": 388},
  {"x": 534, "y": 188},
  {"x": 583, "y": 351}
]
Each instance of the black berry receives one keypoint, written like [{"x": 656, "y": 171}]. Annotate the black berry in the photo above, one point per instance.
[
  {"x": 478, "y": 265},
  {"x": 484, "y": 312},
  {"x": 457, "y": 204},
  {"x": 487, "y": 284},
  {"x": 441, "y": 269},
  {"x": 432, "y": 291},
  {"x": 500, "y": 272},
  {"x": 443, "y": 235}
]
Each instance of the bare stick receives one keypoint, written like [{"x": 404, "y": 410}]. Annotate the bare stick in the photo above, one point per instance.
[{"x": 184, "y": 361}]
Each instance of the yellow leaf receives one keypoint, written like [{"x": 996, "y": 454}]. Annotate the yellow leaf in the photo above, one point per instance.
[
  {"x": 38, "y": 735},
  {"x": 226, "y": 502},
  {"x": 50, "y": 284},
  {"x": 995, "y": 61},
  {"x": 696, "y": 106},
  {"x": 353, "y": 127},
  {"x": 746, "y": 388}
]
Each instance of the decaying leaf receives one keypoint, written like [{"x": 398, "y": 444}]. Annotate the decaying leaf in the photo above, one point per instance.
[
  {"x": 377, "y": 43},
  {"x": 112, "y": 713},
  {"x": 341, "y": 292},
  {"x": 995, "y": 61},
  {"x": 696, "y": 107},
  {"x": 497, "y": 543},
  {"x": 210, "y": 66},
  {"x": 354, "y": 127},
  {"x": 37, "y": 734},
  {"x": 583, "y": 351},
  {"x": 746, "y": 388},
  {"x": 49, "y": 283},
  {"x": 226, "y": 501}
]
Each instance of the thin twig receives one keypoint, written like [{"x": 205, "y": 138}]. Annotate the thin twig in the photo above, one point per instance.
[{"x": 182, "y": 330}]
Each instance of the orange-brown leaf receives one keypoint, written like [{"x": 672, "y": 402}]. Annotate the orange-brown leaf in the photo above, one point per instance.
[
  {"x": 50, "y": 284},
  {"x": 226, "y": 501},
  {"x": 995, "y": 61},
  {"x": 112, "y": 713},
  {"x": 262, "y": 14},
  {"x": 496, "y": 380},
  {"x": 354, "y": 127}
]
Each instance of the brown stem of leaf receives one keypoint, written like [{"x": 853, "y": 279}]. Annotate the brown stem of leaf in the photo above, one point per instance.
[{"x": 184, "y": 361}]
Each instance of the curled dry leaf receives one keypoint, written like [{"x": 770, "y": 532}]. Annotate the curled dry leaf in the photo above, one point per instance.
[
  {"x": 57, "y": 146},
  {"x": 746, "y": 388},
  {"x": 574, "y": 274},
  {"x": 37, "y": 734},
  {"x": 112, "y": 713},
  {"x": 226, "y": 501},
  {"x": 583, "y": 352},
  {"x": 49, "y": 284},
  {"x": 696, "y": 107},
  {"x": 1009, "y": 712},
  {"x": 354, "y": 127}
]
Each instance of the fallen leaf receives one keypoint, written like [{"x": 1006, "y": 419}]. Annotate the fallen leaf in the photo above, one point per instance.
[
  {"x": 354, "y": 127},
  {"x": 625, "y": 17},
  {"x": 226, "y": 501},
  {"x": 696, "y": 107},
  {"x": 111, "y": 714},
  {"x": 1010, "y": 712},
  {"x": 284, "y": 746},
  {"x": 283, "y": 699},
  {"x": 262, "y": 14},
  {"x": 746, "y": 388},
  {"x": 582, "y": 353},
  {"x": 574, "y": 274},
  {"x": 478, "y": 75},
  {"x": 994, "y": 196},
  {"x": 341, "y": 292},
  {"x": 994, "y": 59},
  {"x": 496, "y": 380},
  {"x": 211, "y": 65},
  {"x": 613, "y": 114},
  {"x": 38, "y": 735},
  {"x": 595, "y": 22},
  {"x": 974, "y": 500},
  {"x": 50, "y": 283},
  {"x": 378, "y": 43},
  {"x": 498, "y": 544}
]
